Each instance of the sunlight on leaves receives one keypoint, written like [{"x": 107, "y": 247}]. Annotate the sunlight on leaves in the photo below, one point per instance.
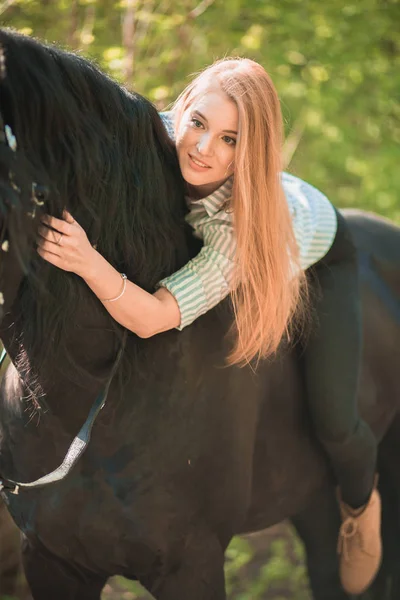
[{"x": 252, "y": 39}]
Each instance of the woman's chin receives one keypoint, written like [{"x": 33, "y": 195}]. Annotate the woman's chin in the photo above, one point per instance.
[{"x": 194, "y": 178}]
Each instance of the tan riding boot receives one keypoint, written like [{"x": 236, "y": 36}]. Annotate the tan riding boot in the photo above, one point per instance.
[{"x": 359, "y": 544}]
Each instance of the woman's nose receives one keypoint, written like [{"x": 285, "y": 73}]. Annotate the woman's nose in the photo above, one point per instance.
[{"x": 205, "y": 145}]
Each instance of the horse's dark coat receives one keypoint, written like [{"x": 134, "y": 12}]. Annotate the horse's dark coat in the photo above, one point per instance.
[{"x": 187, "y": 453}]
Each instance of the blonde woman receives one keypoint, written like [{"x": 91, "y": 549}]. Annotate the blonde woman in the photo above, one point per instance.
[{"x": 261, "y": 231}]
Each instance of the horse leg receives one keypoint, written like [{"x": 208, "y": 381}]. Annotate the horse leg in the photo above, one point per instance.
[
  {"x": 49, "y": 580},
  {"x": 318, "y": 527},
  {"x": 200, "y": 575}
]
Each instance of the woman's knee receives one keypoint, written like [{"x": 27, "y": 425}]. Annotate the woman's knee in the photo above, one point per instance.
[
  {"x": 346, "y": 438},
  {"x": 335, "y": 436}
]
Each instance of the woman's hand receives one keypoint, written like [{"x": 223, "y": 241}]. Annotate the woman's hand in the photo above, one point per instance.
[{"x": 64, "y": 244}]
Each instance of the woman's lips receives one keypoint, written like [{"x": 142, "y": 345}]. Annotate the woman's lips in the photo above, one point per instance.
[{"x": 197, "y": 164}]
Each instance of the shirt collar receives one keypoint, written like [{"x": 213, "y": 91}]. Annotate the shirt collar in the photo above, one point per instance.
[{"x": 216, "y": 201}]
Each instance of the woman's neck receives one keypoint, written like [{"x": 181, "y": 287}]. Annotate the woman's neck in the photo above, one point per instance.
[{"x": 197, "y": 192}]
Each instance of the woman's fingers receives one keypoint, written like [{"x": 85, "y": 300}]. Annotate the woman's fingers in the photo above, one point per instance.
[
  {"x": 58, "y": 224},
  {"x": 47, "y": 246},
  {"x": 68, "y": 217},
  {"x": 64, "y": 243},
  {"x": 50, "y": 234}
]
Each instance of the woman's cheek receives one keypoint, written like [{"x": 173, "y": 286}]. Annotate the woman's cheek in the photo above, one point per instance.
[{"x": 229, "y": 161}]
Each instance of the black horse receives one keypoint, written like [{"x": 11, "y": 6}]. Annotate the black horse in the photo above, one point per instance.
[{"x": 187, "y": 452}]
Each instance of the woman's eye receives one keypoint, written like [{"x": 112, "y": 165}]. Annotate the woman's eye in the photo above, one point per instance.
[
  {"x": 196, "y": 123},
  {"x": 230, "y": 141}
]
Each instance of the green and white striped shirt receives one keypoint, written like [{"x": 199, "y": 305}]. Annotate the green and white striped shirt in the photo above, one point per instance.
[{"x": 207, "y": 279}]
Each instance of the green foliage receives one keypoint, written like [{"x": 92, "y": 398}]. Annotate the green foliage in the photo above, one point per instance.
[{"x": 275, "y": 572}]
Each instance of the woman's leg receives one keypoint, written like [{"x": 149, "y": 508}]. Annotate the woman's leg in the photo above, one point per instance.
[{"x": 332, "y": 358}]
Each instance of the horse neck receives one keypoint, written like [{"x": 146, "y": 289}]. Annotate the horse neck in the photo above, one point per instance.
[{"x": 51, "y": 384}]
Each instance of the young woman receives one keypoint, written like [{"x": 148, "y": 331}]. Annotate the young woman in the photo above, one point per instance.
[{"x": 261, "y": 231}]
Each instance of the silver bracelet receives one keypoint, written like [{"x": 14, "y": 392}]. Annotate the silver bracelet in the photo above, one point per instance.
[{"x": 124, "y": 278}]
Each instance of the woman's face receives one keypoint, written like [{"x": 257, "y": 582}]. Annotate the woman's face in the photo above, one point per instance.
[{"x": 206, "y": 140}]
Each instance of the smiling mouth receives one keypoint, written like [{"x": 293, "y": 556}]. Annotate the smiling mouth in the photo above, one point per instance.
[{"x": 198, "y": 162}]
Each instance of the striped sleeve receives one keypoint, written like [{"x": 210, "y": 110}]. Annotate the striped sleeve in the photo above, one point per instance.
[
  {"x": 313, "y": 217},
  {"x": 207, "y": 279}
]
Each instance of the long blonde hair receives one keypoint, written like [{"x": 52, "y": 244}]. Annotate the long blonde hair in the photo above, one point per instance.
[{"x": 270, "y": 286}]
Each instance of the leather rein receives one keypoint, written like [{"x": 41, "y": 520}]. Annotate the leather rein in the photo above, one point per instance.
[{"x": 79, "y": 443}]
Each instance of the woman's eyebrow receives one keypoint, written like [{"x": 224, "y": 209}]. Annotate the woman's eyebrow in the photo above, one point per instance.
[
  {"x": 204, "y": 119},
  {"x": 230, "y": 131},
  {"x": 197, "y": 112}
]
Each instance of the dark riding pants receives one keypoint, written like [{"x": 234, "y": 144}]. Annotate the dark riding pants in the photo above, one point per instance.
[{"x": 332, "y": 357}]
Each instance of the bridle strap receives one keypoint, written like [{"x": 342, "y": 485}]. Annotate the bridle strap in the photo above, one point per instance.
[{"x": 79, "y": 443}]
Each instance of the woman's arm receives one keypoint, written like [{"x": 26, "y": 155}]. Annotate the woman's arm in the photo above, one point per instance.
[
  {"x": 64, "y": 244},
  {"x": 182, "y": 297},
  {"x": 143, "y": 313},
  {"x": 209, "y": 277}
]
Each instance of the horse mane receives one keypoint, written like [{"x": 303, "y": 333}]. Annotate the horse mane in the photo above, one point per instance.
[{"x": 106, "y": 157}]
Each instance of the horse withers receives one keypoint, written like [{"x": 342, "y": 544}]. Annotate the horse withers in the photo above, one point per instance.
[{"x": 186, "y": 452}]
